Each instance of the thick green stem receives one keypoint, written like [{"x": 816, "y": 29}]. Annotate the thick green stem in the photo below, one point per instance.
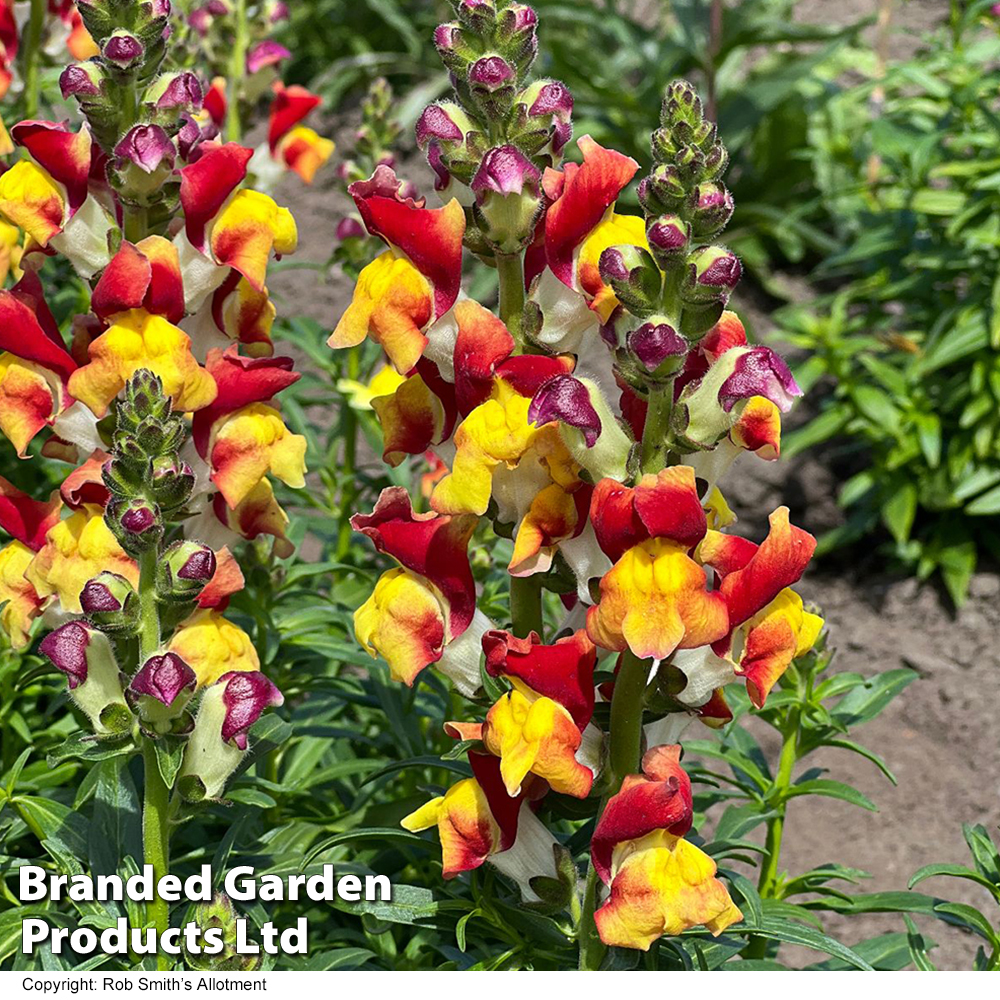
[
  {"x": 349, "y": 435},
  {"x": 656, "y": 436},
  {"x": 526, "y": 605},
  {"x": 510, "y": 269},
  {"x": 32, "y": 52},
  {"x": 591, "y": 947},
  {"x": 136, "y": 222},
  {"x": 237, "y": 72},
  {"x": 768, "y": 878},
  {"x": 155, "y": 816}
]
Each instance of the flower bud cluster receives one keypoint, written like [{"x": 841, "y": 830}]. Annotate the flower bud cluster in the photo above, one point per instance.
[
  {"x": 136, "y": 112},
  {"x": 500, "y": 131}
]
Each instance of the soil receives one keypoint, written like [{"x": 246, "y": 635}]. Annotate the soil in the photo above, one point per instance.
[{"x": 940, "y": 737}]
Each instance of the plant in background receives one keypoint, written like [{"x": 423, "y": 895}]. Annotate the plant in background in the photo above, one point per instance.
[
  {"x": 129, "y": 562},
  {"x": 907, "y": 338},
  {"x": 626, "y": 606}
]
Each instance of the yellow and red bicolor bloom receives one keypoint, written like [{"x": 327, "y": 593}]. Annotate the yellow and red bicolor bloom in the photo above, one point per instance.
[
  {"x": 655, "y": 598},
  {"x": 475, "y": 818},
  {"x": 259, "y": 513},
  {"x": 139, "y": 339},
  {"x": 241, "y": 435},
  {"x": 418, "y": 609},
  {"x": 236, "y": 312},
  {"x": 47, "y": 195},
  {"x": 296, "y": 145},
  {"x": 147, "y": 276},
  {"x": 416, "y": 281},
  {"x": 27, "y": 521},
  {"x": 768, "y": 625},
  {"x": 226, "y": 226},
  {"x": 660, "y": 883},
  {"x": 212, "y": 646},
  {"x": 581, "y": 223},
  {"x": 35, "y": 367},
  {"x": 730, "y": 388},
  {"x": 76, "y": 550},
  {"x": 538, "y": 727}
]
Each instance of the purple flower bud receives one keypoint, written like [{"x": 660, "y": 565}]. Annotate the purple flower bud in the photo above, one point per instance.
[
  {"x": 349, "y": 228},
  {"x": 505, "y": 170},
  {"x": 123, "y": 49},
  {"x": 81, "y": 80},
  {"x": 711, "y": 209},
  {"x": 491, "y": 73},
  {"x": 518, "y": 17},
  {"x": 163, "y": 677},
  {"x": 159, "y": 8},
  {"x": 436, "y": 123},
  {"x": 633, "y": 276},
  {"x": 183, "y": 571},
  {"x": 200, "y": 21},
  {"x": 106, "y": 594},
  {"x": 146, "y": 146},
  {"x": 652, "y": 343},
  {"x": 200, "y": 566},
  {"x": 553, "y": 99},
  {"x": 139, "y": 518},
  {"x": 668, "y": 234},
  {"x": 264, "y": 54},
  {"x": 566, "y": 399},
  {"x": 447, "y": 37},
  {"x": 181, "y": 91},
  {"x": 718, "y": 268},
  {"x": 67, "y": 649},
  {"x": 760, "y": 372},
  {"x": 278, "y": 12},
  {"x": 245, "y": 696}
]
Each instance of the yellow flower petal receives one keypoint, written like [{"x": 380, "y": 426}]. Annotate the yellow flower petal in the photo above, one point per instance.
[{"x": 213, "y": 646}]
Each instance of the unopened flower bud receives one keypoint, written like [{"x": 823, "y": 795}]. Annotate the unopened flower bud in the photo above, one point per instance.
[
  {"x": 219, "y": 915},
  {"x": 161, "y": 690},
  {"x": 176, "y": 90},
  {"x": 710, "y": 208},
  {"x": 85, "y": 656},
  {"x": 663, "y": 190},
  {"x": 508, "y": 198},
  {"x": 713, "y": 272},
  {"x": 478, "y": 15},
  {"x": 149, "y": 148},
  {"x": 111, "y": 603},
  {"x": 123, "y": 50},
  {"x": 492, "y": 80},
  {"x": 136, "y": 524},
  {"x": 680, "y": 104},
  {"x": 219, "y": 739},
  {"x": 634, "y": 278},
  {"x": 277, "y": 12},
  {"x": 183, "y": 571},
  {"x": 83, "y": 81},
  {"x": 453, "y": 47},
  {"x": 668, "y": 237},
  {"x": 350, "y": 229},
  {"x": 264, "y": 54},
  {"x": 444, "y": 122},
  {"x": 172, "y": 482},
  {"x": 659, "y": 348}
]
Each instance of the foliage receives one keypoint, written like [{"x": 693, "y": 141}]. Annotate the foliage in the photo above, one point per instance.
[{"x": 907, "y": 339}]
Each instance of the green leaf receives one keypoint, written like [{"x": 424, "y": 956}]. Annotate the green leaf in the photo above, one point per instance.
[
  {"x": 867, "y": 701},
  {"x": 845, "y": 744},
  {"x": 389, "y": 833},
  {"x": 409, "y": 904},
  {"x": 954, "y": 871},
  {"x": 899, "y": 511},
  {"x": 833, "y": 790},
  {"x": 116, "y": 826},
  {"x": 169, "y": 756},
  {"x": 83, "y": 746},
  {"x": 779, "y": 929},
  {"x": 918, "y": 946}
]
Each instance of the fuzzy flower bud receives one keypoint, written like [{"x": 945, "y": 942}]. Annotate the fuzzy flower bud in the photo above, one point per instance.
[
  {"x": 219, "y": 914},
  {"x": 264, "y": 54},
  {"x": 492, "y": 80},
  {"x": 219, "y": 740},
  {"x": 136, "y": 524},
  {"x": 147, "y": 147},
  {"x": 508, "y": 198},
  {"x": 713, "y": 272},
  {"x": 633, "y": 276},
  {"x": 668, "y": 236},
  {"x": 123, "y": 50},
  {"x": 111, "y": 603},
  {"x": 183, "y": 571},
  {"x": 172, "y": 483},
  {"x": 710, "y": 207},
  {"x": 82, "y": 80},
  {"x": 85, "y": 656},
  {"x": 176, "y": 91},
  {"x": 160, "y": 691},
  {"x": 658, "y": 347}
]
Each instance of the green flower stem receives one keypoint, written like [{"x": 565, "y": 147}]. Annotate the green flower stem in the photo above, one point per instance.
[
  {"x": 136, "y": 222},
  {"x": 349, "y": 434},
  {"x": 237, "y": 72},
  {"x": 591, "y": 947},
  {"x": 656, "y": 437},
  {"x": 510, "y": 269},
  {"x": 526, "y": 605},
  {"x": 156, "y": 800},
  {"x": 768, "y": 879},
  {"x": 32, "y": 52}
]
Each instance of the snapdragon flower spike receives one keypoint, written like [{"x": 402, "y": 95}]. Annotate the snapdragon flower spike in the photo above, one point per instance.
[
  {"x": 414, "y": 282},
  {"x": 161, "y": 690},
  {"x": 425, "y": 605},
  {"x": 84, "y": 654},
  {"x": 219, "y": 739},
  {"x": 660, "y": 883}
]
